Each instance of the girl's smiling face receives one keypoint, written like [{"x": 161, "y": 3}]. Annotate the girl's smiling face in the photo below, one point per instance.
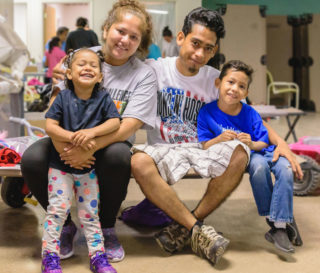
[{"x": 85, "y": 69}]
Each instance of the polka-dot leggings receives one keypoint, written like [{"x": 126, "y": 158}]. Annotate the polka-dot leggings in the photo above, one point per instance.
[{"x": 60, "y": 190}]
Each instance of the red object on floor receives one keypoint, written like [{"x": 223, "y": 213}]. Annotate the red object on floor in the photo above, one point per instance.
[{"x": 9, "y": 157}]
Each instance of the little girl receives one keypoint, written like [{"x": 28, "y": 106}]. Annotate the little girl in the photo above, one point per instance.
[{"x": 77, "y": 115}]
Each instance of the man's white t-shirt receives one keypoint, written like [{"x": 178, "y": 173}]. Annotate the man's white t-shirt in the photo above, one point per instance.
[{"x": 179, "y": 99}]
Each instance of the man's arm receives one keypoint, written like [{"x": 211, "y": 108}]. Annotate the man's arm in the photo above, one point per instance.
[{"x": 283, "y": 149}]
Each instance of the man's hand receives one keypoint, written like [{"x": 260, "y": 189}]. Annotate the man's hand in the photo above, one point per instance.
[
  {"x": 284, "y": 150},
  {"x": 77, "y": 157},
  {"x": 58, "y": 72}
]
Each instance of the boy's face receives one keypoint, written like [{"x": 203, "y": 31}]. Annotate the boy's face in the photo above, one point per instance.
[
  {"x": 196, "y": 49},
  {"x": 233, "y": 87}
]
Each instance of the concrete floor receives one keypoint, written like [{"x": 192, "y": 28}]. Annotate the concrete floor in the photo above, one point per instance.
[{"x": 248, "y": 252}]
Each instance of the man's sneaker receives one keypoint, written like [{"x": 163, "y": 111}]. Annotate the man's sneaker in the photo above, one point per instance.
[
  {"x": 173, "y": 238},
  {"x": 50, "y": 263},
  {"x": 207, "y": 243},
  {"x": 279, "y": 237},
  {"x": 145, "y": 214},
  {"x": 99, "y": 263},
  {"x": 114, "y": 249},
  {"x": 68, "y": 237}
]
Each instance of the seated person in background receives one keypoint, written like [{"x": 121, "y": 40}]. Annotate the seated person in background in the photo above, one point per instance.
[
  {"x": 227, "y": 119},
  {"x": 53, "y": 57},
  {"x": 77, "y": 115}
]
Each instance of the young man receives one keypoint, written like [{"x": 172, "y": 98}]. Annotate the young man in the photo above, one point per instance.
[{"x": 184, "y": 85}]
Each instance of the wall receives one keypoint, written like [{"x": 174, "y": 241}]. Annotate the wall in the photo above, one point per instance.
[
  {"x": 246, "y": 41},
  {"x": 6, "y": 10},
  {"x": 314, "y": 41},
  {"x": 99, "y": 10},
  {"x": 275, "y": 7}
]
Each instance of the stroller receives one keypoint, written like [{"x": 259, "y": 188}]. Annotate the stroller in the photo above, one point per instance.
[{"x": 14, "y": 191}]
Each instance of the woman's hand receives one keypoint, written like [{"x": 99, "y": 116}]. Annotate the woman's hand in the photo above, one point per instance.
[
  {"x": 58, "y": 72},
  {"x": 77, "y": 157},
  {"x": 283, "y": 149}
]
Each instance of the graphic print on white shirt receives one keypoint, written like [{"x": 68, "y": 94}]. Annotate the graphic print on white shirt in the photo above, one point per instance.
[{"x": 178, "y": 112}]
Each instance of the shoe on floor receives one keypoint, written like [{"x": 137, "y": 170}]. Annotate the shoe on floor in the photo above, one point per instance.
[
  {"x": 145, "y": 214},
  {"x": 173, "y": 238},
  {"x": 279, "y": 237},
  {"x": 99, "y": 263},
  {"x": 207, "y": 243},
  {"x": 68, "y": 237},
  {"x": 50, "y": 263},
  {"x": 113, "y": 248}
]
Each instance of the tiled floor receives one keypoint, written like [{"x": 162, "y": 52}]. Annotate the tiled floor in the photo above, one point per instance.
[{"x": 249, "y": 252}]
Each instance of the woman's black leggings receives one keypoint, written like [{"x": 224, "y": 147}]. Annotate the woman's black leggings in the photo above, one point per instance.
[{"x": 112, "y": 167}]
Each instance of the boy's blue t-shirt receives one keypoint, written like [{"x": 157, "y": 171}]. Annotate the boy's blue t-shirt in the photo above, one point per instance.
[
  {"x": 75, "y": 114},
  {"x": 212, "y": 122}
]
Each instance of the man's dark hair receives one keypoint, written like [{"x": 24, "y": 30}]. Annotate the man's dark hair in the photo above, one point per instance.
[
  {"x": 81, "y": 22},
  {"x": 61, "y": 30},
  {"x": 236, "y": 65},
  {"x": 53, "y": 42},
  {"x": 166, "y": 32},
  {"x": 207, "y": 18}
]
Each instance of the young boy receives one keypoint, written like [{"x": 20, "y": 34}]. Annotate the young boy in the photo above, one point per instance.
[{"x": 228, "y": 118}]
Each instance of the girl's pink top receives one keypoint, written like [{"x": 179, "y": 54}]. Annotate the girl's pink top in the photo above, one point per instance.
[{"x": 53, "y": 58}]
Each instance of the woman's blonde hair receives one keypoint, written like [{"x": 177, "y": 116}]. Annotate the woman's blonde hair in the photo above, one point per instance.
[{"x": 136, "y": 8}]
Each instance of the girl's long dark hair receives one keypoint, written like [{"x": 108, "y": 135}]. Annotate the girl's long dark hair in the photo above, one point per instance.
[{"x": 54, "y": 42}]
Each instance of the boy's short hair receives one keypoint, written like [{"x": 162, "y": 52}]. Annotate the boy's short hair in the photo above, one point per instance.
[
  {"x": 61, "y": 30},
  {"x": 236, "y": 65},
  {"x": 205, "y": 17}
]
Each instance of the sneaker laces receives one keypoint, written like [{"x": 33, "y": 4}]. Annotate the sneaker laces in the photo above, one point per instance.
[
  {"x": 52, "y": 261},
  {"x": 205, "y": 237},
  {"x": 100, "y": 260}
]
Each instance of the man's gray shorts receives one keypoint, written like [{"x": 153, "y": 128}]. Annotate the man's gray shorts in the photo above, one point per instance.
[{"x": 174, "y": 160}]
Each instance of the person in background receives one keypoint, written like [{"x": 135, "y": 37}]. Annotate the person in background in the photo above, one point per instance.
[
  {"x": 169, "y": 44},
  {"x": 154, "y": 52},
  {"x": 53, "y": 56},
  {"x": 62, "y": 33},
  {"x": 81, "y": 37}
]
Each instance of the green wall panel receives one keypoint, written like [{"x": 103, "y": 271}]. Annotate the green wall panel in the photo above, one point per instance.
[{"x": 274, "y": 7}]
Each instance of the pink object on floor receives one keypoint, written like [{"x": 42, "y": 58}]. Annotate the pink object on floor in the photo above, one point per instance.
[{"x": 307, "y": 145}]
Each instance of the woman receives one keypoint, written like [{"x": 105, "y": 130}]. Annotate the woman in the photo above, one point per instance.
[{"x": 132, "y": 86}]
